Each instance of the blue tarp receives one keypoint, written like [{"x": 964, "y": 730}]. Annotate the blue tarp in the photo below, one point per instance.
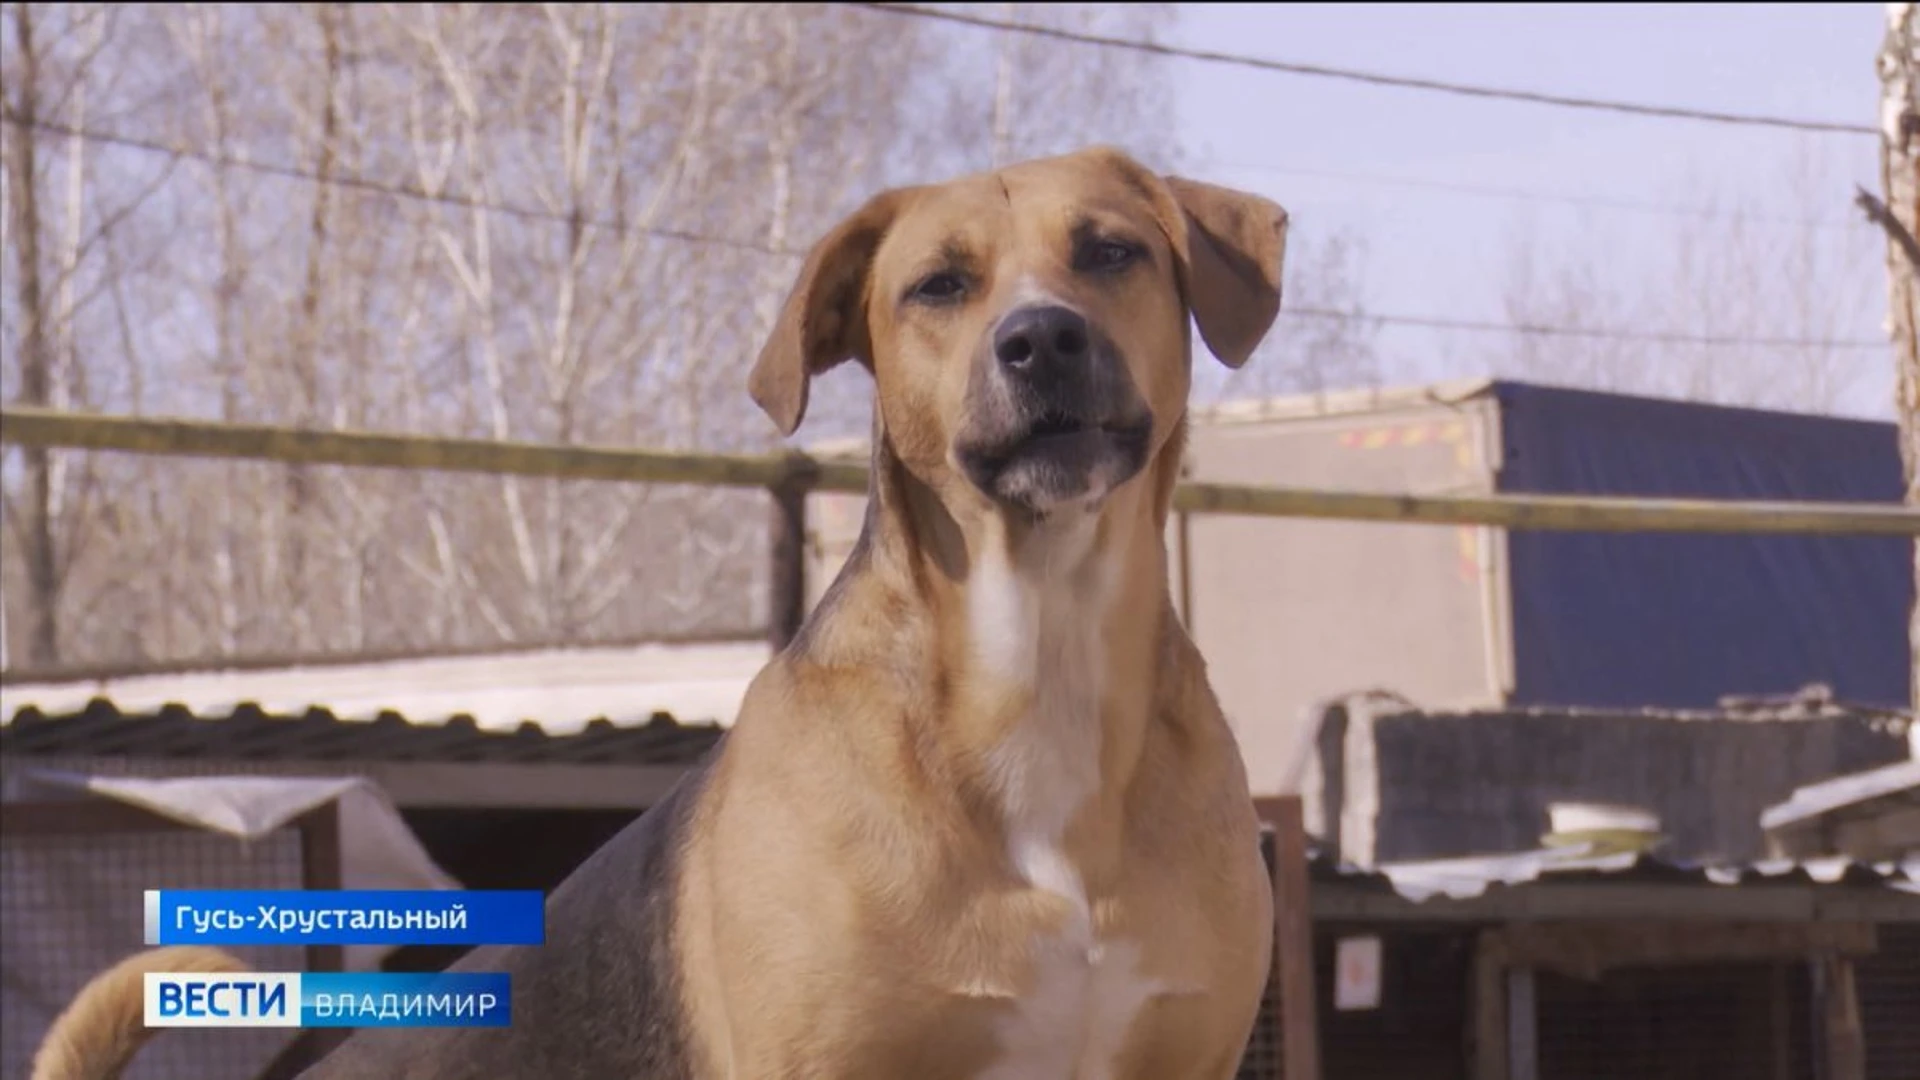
[{"x": 1679, "y": 621}]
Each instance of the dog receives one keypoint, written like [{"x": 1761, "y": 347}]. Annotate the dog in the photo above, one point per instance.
[
  {"x": 983, "y": 817},
  {"x": 104, "y": 1025}
]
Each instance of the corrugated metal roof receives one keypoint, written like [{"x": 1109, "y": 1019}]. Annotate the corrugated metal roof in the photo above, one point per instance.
[
  {"x": 1468, "y": 878},
  {"x": 1385, "y": 780},
  {"x": 557, "y": 689},
  {"x": 1899, "y": 782},
  {"x": 1814, "y": 704},
  {"x": 103, "y": 729}
]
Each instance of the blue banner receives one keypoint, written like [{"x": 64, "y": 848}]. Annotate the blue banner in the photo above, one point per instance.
[
  {"x": 396, "y": 999},
  {"x": 344, "y": 917},
  {"x": 328, "y": 999}
]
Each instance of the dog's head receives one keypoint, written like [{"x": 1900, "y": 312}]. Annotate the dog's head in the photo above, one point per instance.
[{"x": 1027, "y": 329}]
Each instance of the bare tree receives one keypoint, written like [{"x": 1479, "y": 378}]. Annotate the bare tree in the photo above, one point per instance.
[
  {"x": 1731, "y": 272},
  {"x": 556, "y": 223},
  {"x": 57, "y": 217},
  {"x": 1899, "y": 219},
  {"x": 25, "y": 231}
]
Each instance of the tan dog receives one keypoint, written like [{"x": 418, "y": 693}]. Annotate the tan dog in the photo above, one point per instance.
[{"x": 983, "y": 819}]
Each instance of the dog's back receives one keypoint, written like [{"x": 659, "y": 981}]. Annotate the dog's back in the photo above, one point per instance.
[
  {"x": 105, "y": 1026},
  {"x": 599, "y": 999}
]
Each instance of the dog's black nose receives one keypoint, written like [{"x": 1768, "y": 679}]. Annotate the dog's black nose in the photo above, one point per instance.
[{"x": 1039, "y": 338}]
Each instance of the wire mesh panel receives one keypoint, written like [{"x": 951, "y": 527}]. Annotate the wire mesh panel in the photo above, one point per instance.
[
  {"x": 71, "y": 883},
  {"x": 1888, "y": 985},
  {"x": 1699, "y": 1022},
  {"x": 1263, "y": 1060}
]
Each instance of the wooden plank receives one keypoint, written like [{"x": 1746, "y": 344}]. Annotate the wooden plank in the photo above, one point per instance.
[
  {"x": 1587, "y": 950},
  {"x": 1780, "y": 1023},
  {"x": 1523, "y": 1026},
  {"x": 1293, "y": 940},
  {"x": 42, "y": 427},
  {"x": 1867, "y": 905},
  {"x": 550, "y": 787},
  {"x": 1549, "y": 903},
  {"x": 320, "y": 869},
  {"x": 1846, "y": 1046},
  {"x": 366, "y": 449},
  {"x": 81, "y": 815},
  {"x": 787, "y": 569}
]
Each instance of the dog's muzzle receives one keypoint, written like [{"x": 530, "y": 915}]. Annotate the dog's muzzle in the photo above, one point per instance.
[{"x": 1054, "y": 417}]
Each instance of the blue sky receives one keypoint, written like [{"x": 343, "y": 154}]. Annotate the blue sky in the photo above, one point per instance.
[{"x": 1443, "y": 253}]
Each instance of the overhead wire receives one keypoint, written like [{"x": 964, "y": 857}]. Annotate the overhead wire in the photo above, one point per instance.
[
  {"x": 1378, "y": 319},
  {"x": 1374, "y": 78}
]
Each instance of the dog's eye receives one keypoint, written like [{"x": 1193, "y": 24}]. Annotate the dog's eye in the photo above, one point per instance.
[
  {"x": 938, "y": 288},
  {"x": 1108, "y": 255}
]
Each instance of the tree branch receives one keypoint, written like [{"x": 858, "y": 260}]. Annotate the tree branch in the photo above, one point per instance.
[{"x": 1878, "y": 213}]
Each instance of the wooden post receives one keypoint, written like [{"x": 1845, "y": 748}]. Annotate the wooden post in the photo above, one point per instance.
[
  {"x": 319, "y": 869},
  {"x": 1899, "y": 216},
  {"x": 1488, "y": 1008},
  {"x": 1846, "y": 1055},
  {"x": 1293, "y": 940},
  {"x": 787, "y": 581},
  {"x": 1523, "y": 1026},
  {"x": 1780, "y": 1021}
]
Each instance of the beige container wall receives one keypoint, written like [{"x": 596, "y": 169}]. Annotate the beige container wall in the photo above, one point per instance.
[
  {"x": 1291, "y": 613},
  {"x": 833, "y": 524}
]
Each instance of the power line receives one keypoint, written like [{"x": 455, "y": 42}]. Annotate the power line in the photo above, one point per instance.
[
  {"x": 1435, "y": 322},
  {"x": 1494, "y": 191},
  {"x": 361, "y": 183},
  {"x": 1407, "y": 82},
  {"x": 531, "y": 213}
]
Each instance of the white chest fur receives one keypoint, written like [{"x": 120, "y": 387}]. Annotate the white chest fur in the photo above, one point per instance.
[
  {"x": 1037, "y": 626},
  {"x": 1073, "y": 1020}
]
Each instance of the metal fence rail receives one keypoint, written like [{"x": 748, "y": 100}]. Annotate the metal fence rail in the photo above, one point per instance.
[{"x": 787, "y": 472}]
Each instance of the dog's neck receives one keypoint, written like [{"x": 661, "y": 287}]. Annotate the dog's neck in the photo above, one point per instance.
[{"x": 1041, "y": 653}]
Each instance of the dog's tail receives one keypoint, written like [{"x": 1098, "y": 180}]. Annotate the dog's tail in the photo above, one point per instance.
[{"x": 106, "y": 1023}]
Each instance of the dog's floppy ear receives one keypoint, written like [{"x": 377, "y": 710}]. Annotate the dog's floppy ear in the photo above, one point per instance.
[
  {"x": 824, "y": 320},
  {"x": 1234, "y": 246}
]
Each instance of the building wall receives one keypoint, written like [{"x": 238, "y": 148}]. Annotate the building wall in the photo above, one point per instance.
[
  {"x": 1678, "y": 621},
  {"x": 1412, "y": 785}
]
